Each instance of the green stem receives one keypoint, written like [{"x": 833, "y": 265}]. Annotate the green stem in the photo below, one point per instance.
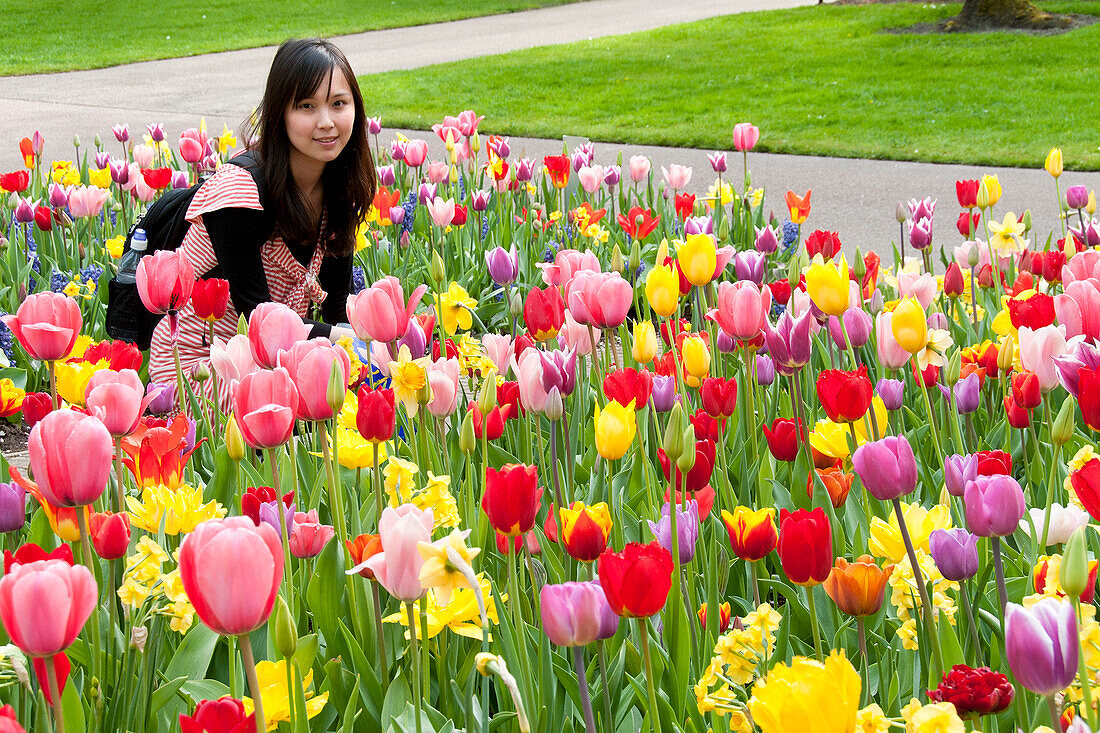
[
  {"x": 86, "y": 550},
  {"x": 918, "y": 577},
  {"x": 928, "y": 410},
  {"x": 253, "y": 682},
  {"x": 813, "y": 623},
  {"x": 414, "y": 658},
  {"x": 1083, "y": 672},
  {"x": 55, "y": 695},
  {"x": 654, "y": 716}
]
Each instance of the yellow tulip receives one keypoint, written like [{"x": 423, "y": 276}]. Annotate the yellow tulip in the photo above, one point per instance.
[
  {"x": 662, "y": 290},
  {"x": 807, "y": 696},
  {"x": 644, "y": 348},
  {"x": 827, "y": 285},
  {"x": 910, "y": 326},
  {"x": 1090, "y": 207},
  {"x": 234, "y": 440},
  {"x": 992, "y": 187},
  {"x": 696, "y": 355},
  {"x": 698, "y": 258},
  {"x": 615, "y": 430},
  {"x": 1053, "y": 162},
  {"x": 100, "y": 178}
]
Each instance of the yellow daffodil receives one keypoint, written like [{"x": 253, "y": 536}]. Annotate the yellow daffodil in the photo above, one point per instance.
[
  {"x": 1053, "y": 163},
  {"x": 662, "y": 290},
  {"x": 179, "y": 510},
  {"x": 274, "y": 694},
  {"x": 226, "y": 140},
  {"x": 698, "y": 258},
  {"x": 400, "y": 476},
  {"x": 460, "y": 614},
  {"x": 726, "y": 193},
  {"x": 807, "y": 696},
  {"x": 408, "y": 380},
  {"x": 886, "y": 536},
  {"x": 455, "y": 306},
  {"x": 827, "y": 284},
  {"x": 115, "y": 246},
  {"x": 939, "y": 341},
  {"x": 909, "y": 325},
  {"x": 100, "y": 178},
  {"x": 446, "y": 564},
  {"x": 871, "y": 719},
  {"x": 615, "y": 427},
  {"x": 436, "y": 495},
  {"x": 737, "y": 659}
]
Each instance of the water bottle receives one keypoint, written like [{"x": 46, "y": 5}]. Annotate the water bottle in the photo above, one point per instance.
[{"x": 127, "y": 266}]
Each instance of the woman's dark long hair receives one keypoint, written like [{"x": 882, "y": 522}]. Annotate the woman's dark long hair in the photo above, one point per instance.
[{"x": 349, "y": 181}]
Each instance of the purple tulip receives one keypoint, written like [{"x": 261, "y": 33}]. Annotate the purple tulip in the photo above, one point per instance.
[
  {"x": 525, "y": 169},
  {"x": 687, "y": 530},
  {"x": 397, "y": 215},
  {"x": 576, "y": 614},
  {"x": 858, "y": 323},
  {"x": 767, "y": 241},
  {"x": 164, "y": 397},
  {"x": 580, "y": 159},
  {"x": 24, "y": 211},
  {"x": 886, "y": 467},
  {"x": 13, "y": 507},
  {"x": 1083, "y": 356},
  {"x": 1041, "y": 644},
  {"x": 156, "y": 131},
  {"x": 102, "y": 159},
  {"x": 479, "y": 200},
  {"x": 967, "y": 393},
  {"x": 397, "y": 150},
  {"x": 920, "y": 233},
  {"x": 59, "y": 197},
  {"x": 726, "y": 344},
  {"x": 958, "y": 471},
  {"x": 374, "y": 125},
  {"x": 1089, "y": 233},
  {"x": 501, "y": 147},
  {"x": 789, "y": 342},
  {"x": 426, "y": 193},
  {"x": 717, "y": 161},
  {"x": 699, "y": 225},
  {"x": 922, "y": 208},
  {"x": 269, "y": 514},
  {"x": 559, "y": 369},
  {"x": 386, "y": 175},
  {"x": 994, "y": 505},
  {"x": 179, "y": 180},
  {"x": 749, "y": 265},
  {"x": 765, "y": 370},
  {"x": 122, "y": 133},
  {"x": 503, "y": 265},
  {"x": 1077, "y": 197},
  {"x": 120, "y": 172},
  {"x": 663, "y": 396},
  {"x": 955, "y": 552},
  {"x": 414, "y": 339},
  {"x": 892, "y": 392},
  {"x": 612, "y": 176}
]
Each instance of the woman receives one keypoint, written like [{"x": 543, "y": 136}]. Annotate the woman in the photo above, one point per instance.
[{"x": 309, "y": 140}]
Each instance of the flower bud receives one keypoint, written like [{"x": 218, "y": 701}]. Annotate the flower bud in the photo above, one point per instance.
[
  {"x": 983, "y": 196},
  {"x": 466, "y": 439},
  {"x": 201, "y": 372},
  {"x": 337, "y": 388},
  {"x": 686, "y": 461},
  {"x": 724, "y": 230},
  {"x": 486, "y": 663},
  {"x": 635, "y": 256},
  {"x": 515, "y": 305},
  {"x": 952, "y": 369},
  {"x": 487, "y": 395},
  {"x": 436, "y": 270},
  {"x": 617, "y": 261},
  {"x": 1026, "y": 220},
  {"x": 475, "y": 143},
  {"x": 1065, "y": 422},
  {"x": 1073, "y": 575},
  {"x": 1054, "y": 162},
  {"x": 98, "y": 142},
  {"x": 234, "y": 440},
  {"x": 1006, "y": 354},
  {"x": 973, "y": 257},
  {"x": 1090, "y": 207},
  {"x": 859, "y": 267},
  {"x": 901, "y": 213},
  {"x": 76, "y": 141},
  {"x": 673, "y": 441},
  {"x": 242, "y": 325},
  {"x": 282, "y": 629},
  {"x": 554, "y": 407}
]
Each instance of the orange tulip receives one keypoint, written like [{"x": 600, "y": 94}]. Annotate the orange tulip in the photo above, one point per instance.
[
  {"x": 858, "y": 588},
  {"x": 799, "y": 206},
  {"x": 837, "y": 483}
]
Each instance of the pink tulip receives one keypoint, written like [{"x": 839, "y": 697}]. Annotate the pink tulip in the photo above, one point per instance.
[
  {"x": 468, "y": 121},
  {"x": 590, "y": 177},
  {"x": 438, "y": 172},
  {"x": 46, "y": 325},
  {"x": 309, "y": 364},
  {"x": 722, "y": 257},
  {"x": 164, "y": 280},
  {"x": 24, "y": 210},
  {"x": 45, "y": 604},
  {"x": 231, "y": 571},
  {"x": 117, "y": 399},
  {"x": 1078, "y": 308},
  {"x": 309, "y": 536},
  {"x": 966, "y": 249},
  {"x": 567, "y": 263},
  {"x": 265, "y": 404},
  {"x": 743, "y": 308},
  {"x": 857, "y": 322},
  {"x": 442, "y": 212},
  {"x": 677, "y": 176},
  {"x": 416, "y": 151},
  {"x": 1082, "y": 266},
  {"x": 1038, "y": 348},
  {"x": 890, "y": 354},
  {"x": 380, "y": 313},
  {"x": 499, "y": 349},
  {"x": 599, "y": 299},
  {"x": 232, "y": 360},
  {"x": 639, "y": 168},
  {"x": 274, "y": 327},
  {"x": 921, "y": 286},
  {"x": 143, "y": 156},
  {"x": 443, "y": 382},
  {"x": 192, "y": 145},
  {"x": 745, "y": 135},
  {"x": 528, "y": 371},
  {"x": 397, "y": 567},
  {"x": 577, "y": 336},
  {"x": 70, "y": 457},
  {"x": 87, "y": 201}
]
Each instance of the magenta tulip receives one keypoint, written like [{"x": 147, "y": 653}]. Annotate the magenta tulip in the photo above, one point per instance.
[
  {"x": 231, "y": 571},
  {"x": 46, "y": 325},
  {"x": 265, "y": 405},
  {"x": 397, "y": 567},
  {"x": 45, "y": 604},
  {"x": 743, "y": 308},
  {"x": 789, "y": 342},
  {"x": 310, "y": 366},
  {"x": 599, "y": 299},
  {"x": 274, "y": 327},
  {"x": 994, "y": 505},
  {"x": 573, "y": 614},
  {"x": 117, "y": 399},
  {"x": 70, "y": 457},
  {"x": 164, "y": 280},
  {"x": 886, "y": 467},
  {"x": 1041, "y": 644},
  {"x": 380, "y": 312},
  {"x": 745, "y": 135}
]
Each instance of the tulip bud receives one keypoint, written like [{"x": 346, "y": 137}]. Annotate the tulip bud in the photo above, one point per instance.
[
  {"x": 673, "y": 441},
  {"x": 1090, "y": 207},
  {"x": 662, "y": 251},
  {"x": 242, "y": 325},
  {"x": 1073, "y": 574},
  {"x": 1026, "y": 220},
  {"x": 76, "y": 141},
  {"x": 337, "y": 387},
  {"x": 794, "y": 271},
  {"x": 282, "y": 629},
  {"x": 952, "y": 368},
  {"x": 466, "y": 439},
  {"x": 1054, "y": 162},
  {"x": 475, "y": 143},
  {"x": 515, "y": 305},
  {"x": 1065, "y": 422},
  {"x": 201, "y": 372},
  {"x": 63, "y": 219},
  {"x": 972, "y": 258},
  {"x": 687, "y": 459},
  {"x": 875, "y": 304},
  {"x": 635, "y": 255},
  {"x": 1006, "y": 353},
  {"x": 554, "y": 407},
  {"x": 234, "y": 439},
  {"x": 436, "y": 270},
  {"x": 724, "y": 230},
  {"x": 487, "y": 395},
  {"x": 983, "y": 196},
  {"x": 901, "y": 213},
  {"x": 859, "y": 267},
  {"x": 617, "y": 262},
  {"x": 98, "y": 141}
]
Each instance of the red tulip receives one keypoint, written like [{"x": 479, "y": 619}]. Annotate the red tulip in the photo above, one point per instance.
[
  {"x": 699, "y": 475},
  {"x": 45, "y": 604},
  {"x": 805, "y": 546},
  {"x": 705, "y": 426},
  {"x": 119, "y": 355},
  {"x": 43, "y": 218},
  {"x": 274, "y": 327},
  {"x": 1026, "y": 390},
  {"x": 164, "y": 280},
  {"x": 309, "y": 364},
  {"x": 31, "y": 552},
  {"x": 459, "y": 217},
  {"x": 231, "y": 571},
  {"x": 783, "y": 439},
  {"x": 507, "y": 545},
  {"x": 719, "y": 396},
  {"x": 46, "y": 325},
  {"x": 1018, "y": 417},
  {"x": 264, "y": 405},
  {"x": 558, "y": 167},
  {"x": 967, "y": 193},
  {"x": 967, "y": 224},
  {"x": 494, "y": 423},
  {"x": 845, "y": 396},
  {"x": 362, "y": 548},
  {"x": 752, "y": 533},
  {"x": 376, "y": 416},
  {"x": 210, "y": 299},
  {"x": 224, "y": 715},
  {"x": 974, "y": 692},
  {"x": 929, "y": 376},
  {"x": 15, "y": 182},
  {"x": 70, "y": 457},
  {"x": 637, "y": 580},
  {"x": 684, "y": 203},
  {"x": 257, "y": 495},
  {"x": 1088, "y": 399},
  {"x": 723, "y": 616},
  {"x": 36, "y": 405},
  {"x": 638, "y": 223},
  {"x": 1086, "y": 486},
  {"x": 826, "y": 244},
  {"x": 953, "y": 284},
  {"x": 157, "y": 177},
  {"x": 110, "y": 534},
  {"x": 993, "y": 462},
  {"x": 1034, "y": 312},
  {"x": 8, "y": 722},
  {"x": 156, "y": 455},
  {"x": 508, "y": 396},
  {"x": 544, "y": 312},
  {"x": 117, "y": 399},
  {"x": 625, "y": 385},
  {"x": 512, "y": 498}
]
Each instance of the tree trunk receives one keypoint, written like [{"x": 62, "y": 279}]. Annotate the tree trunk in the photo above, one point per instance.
[{"x": 1005, "y": 14}]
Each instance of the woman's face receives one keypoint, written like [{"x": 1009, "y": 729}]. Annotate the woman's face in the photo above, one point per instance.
[{"x": 320, "y": 125}]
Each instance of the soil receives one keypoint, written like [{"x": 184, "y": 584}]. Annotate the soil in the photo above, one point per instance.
[
  {"x": 1057, "y": 23},
  {"x": 13, "y": 437}
]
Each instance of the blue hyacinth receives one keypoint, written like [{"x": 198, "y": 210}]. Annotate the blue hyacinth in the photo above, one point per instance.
[
  {"x": 358, "y": 280},
  {"x": 777, "y": 310},
  {"x": 7, "y": 339},
  {"x": 58, "y": 281},
  {"x": 409, "y": 206},
  {"x": 790, "y": 236},
  {"x": 91, "y": 272}
]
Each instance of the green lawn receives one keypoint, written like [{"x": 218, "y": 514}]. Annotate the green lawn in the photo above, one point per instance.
[
  {"x": 90, "y": 34},
  {"x": 816, "y": 80}
]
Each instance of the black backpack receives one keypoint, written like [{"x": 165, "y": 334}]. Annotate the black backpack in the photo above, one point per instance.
[{"x": 165, "y": 226}]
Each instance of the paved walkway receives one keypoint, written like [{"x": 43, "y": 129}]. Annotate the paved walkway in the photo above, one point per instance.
[{"x": 854, "y": 197}]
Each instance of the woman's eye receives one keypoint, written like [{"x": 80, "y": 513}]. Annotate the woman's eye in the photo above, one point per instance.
[{"x": 305, "y": 105}]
